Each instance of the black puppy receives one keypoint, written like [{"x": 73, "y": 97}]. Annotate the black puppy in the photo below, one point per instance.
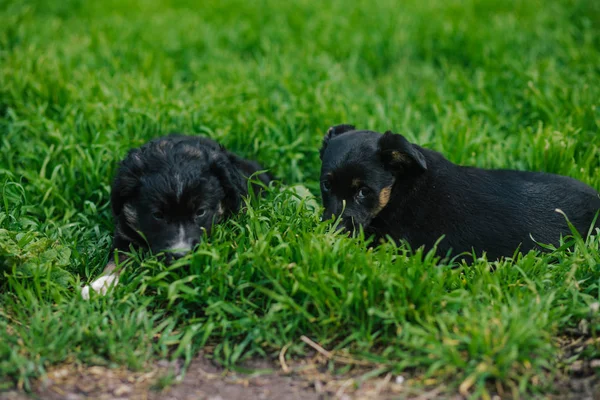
[
  {"x": 392, "y": 187},
  {"x": 170, "y": 192}
]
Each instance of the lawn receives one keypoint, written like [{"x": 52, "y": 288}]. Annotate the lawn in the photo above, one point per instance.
[{"x": 491, "y": 83}]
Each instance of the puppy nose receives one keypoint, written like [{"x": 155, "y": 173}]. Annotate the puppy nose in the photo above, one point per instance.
[
  {"x": 174, "y": 254},
  {"x": 344, "y": 229}
]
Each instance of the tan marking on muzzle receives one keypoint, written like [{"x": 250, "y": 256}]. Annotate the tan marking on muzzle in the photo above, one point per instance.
[
  {"x": 384, "y": 199},
  {"x": 356, "y": 183}
]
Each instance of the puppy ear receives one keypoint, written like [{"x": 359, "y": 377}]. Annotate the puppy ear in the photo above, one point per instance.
[
  {"x": 233, "y": 182},
  {"x": 123, "y": 189},
  {"x": 333, "y": 132},
  {"x": 127, "y": 180},
  {"x": 249, "y": 168},
  {"x": 398, "y": 154}
]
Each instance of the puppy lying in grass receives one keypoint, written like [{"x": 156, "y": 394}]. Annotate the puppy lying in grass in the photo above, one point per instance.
[
  {"x": 392, "y": 187},
  {"x": 168, "y": 193}
]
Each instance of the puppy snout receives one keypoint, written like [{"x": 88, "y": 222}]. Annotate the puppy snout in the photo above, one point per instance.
[
  {"x": 327, "y": 215},
  {"x": 346, "y": 226},
  {"x": 171, "y": 256},
  {"x": 181, "y": 248}
]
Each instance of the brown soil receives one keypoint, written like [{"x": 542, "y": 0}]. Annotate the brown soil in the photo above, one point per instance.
[
  {"x": 305, "y": 380},
  {"x": 581, "y": 380},
  {"x": 291, "y": 380}
]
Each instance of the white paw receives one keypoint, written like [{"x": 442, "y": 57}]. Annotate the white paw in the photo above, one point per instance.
[{"x": 100, "y": 285}]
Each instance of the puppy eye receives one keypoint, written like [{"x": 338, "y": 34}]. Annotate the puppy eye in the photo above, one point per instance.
[
  {"x": 158, "y": 215},
  {"x": 201, "y": 213},
  {"x": 362, "y": 193},
  {"x": 326, "y": 186}
]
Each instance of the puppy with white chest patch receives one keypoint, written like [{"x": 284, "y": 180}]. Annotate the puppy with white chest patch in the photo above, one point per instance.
[
  {"x": 169, "y": 193},
  {"x": 391, "y": 187}
]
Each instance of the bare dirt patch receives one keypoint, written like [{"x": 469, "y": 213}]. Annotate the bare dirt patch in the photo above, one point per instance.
[
  {"x": 302, "y": 379},
  {"x": 581, "y": 380},
  {"x": 306, "y": 378}
]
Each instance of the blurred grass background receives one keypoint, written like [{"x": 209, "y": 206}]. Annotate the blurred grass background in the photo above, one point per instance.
[{"x": 491, "y": 83}]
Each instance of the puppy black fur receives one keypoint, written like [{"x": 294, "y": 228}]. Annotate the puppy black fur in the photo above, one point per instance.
[
  {"x": 392, "y": 187},
  {"x": 169, "y": 192}
]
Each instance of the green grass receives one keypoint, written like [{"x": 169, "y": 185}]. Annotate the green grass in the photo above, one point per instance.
[{"x": 491, "y": 83}]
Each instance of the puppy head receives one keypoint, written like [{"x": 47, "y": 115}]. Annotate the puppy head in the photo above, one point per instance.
[
  {"x": 359, "y": 170},
  {"x": 173, "y": 212},
  {"x": 168, "y": 194}
]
